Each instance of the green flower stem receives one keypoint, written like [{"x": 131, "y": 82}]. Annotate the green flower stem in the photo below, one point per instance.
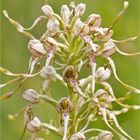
[
  {"x": 52, "y": 129},
  {"x": 74, "y": 114},
  {"x": 48, "y": 99},
  {"x": 93, "y": 129},
  {"x": 60, "y": 20}
]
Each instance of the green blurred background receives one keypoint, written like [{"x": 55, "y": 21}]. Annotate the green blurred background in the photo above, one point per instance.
[{"x": 15, "y": 56}]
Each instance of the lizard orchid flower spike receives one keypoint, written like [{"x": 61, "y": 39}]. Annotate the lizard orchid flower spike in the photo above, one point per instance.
[{"x": 68, "y": 48}]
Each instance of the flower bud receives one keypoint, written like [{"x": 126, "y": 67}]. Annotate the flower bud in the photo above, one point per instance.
[
  {"x": 103, "y": 34},
  {"x": 107, "y": 35},
  {"x": 65, "y": 14},
  {"x": 100, "y": 92},
  {"x": 102, "y": 74},
  {"x": 36, "y": 48},
  {"x": 69, "y": 73},
  {"x": 64, "y": 105},
  {"x": 78, "y": 136},
  {"x": 34, "y": 125},
  {"x": 102, "y": 98},
  {"x": 72, "y": 4},
  {"x": 53, "y": 26},
  {"x": 97, "y": 95},
  {"x": 83, "y": 29},
  {"x": 80, "y": 9},
  {"x": 93, "y": 21},
  {"x": 31, "y": 95},
  {"x": 47, "y": 10},
  {"x": 51, "y": 41},
  {"x": 126, "y": 4},
  {"x": 48, "y": 73},
  {"x": 78, "y": 24},
  {"x": 105, "y": 135},
  {"x": 109, "y": 49}
]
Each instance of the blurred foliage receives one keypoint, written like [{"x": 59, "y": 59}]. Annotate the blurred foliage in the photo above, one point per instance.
[{"x": 15, "y": 57}]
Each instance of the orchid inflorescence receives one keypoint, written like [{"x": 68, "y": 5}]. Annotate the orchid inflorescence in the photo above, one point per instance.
[{"x": 67, "y": 45}]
